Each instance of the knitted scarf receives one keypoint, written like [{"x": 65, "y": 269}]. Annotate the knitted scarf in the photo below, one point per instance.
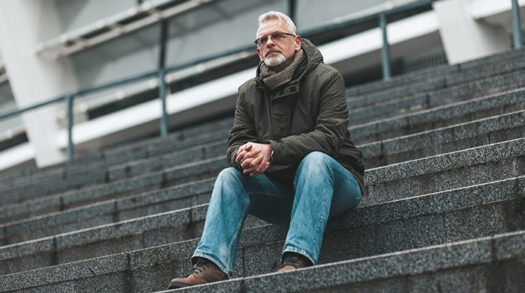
[{"x": 273, "y": 79}]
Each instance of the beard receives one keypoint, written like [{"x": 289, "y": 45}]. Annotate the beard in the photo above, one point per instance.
[{"x": 274, "y": 60}]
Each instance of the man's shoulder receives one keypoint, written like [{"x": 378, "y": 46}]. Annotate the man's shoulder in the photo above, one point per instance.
[
  {"x": 247, "y": 85},
  {"x": 325, "y": 69}
]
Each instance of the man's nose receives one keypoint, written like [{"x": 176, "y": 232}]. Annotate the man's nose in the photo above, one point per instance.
[{"x": 270, "y": 41}]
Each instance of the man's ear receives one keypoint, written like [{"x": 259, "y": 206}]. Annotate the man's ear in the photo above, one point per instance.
[
  {"x": 259, "y": 53},
  {"x": 297, "y": 43}
]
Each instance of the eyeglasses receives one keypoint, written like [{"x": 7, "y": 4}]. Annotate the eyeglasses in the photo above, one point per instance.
[{"x": 275, "y": 36}]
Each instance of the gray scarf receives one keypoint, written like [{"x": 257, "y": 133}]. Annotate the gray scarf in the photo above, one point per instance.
[{"x": 273, "y": 79}]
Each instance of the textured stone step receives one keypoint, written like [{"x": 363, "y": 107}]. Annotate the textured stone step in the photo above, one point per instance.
[
  {"x": 177, "y": 175},
  {"x": 456, "y": 78},
  {"x": 169, "y": 177},
  {"x": 408, "y": 104},
  {"x": 468, "y": 135},
  {"x": 430, "y": 73},
  {"x": 477, "y": 88},
  {"x": 441, "y": 172},
  {"x": 86, "y": 168},
  {"x": 131, "y": 168},
  {"x": 67, "y": 200},
  {"x": 77, "y": 178},
  {"x": 158, "y": 163},
  {"x": 93, "y": 173},
  {"x": 388, "y": 227},
  {"x": 107, "y": 212},
  {"x": 447, "y": 139},
  {"x": 442, "y": 116},
  {"x": 480, "y": 265}
]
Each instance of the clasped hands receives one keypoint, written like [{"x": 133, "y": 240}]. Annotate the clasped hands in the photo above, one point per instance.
[{"x": 254, "y": 158}]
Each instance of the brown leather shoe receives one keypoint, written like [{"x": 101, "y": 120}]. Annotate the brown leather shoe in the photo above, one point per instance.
[
  {"x": 293, "y": 261},
  {"x": 204, "y": 271}
]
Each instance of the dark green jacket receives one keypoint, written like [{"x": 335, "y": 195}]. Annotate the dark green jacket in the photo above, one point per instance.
[{"x": 308, "y": 114}]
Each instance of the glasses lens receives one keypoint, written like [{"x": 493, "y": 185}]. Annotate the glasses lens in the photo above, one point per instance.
[{"x": 275, "y": 36}]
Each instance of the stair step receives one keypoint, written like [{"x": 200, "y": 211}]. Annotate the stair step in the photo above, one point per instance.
[
  {"x": 442, "y": 116},
  {"x": 442, "y": 140},
  {"x": 479, "y": 265},
  {"x": 369, "y": 230}
]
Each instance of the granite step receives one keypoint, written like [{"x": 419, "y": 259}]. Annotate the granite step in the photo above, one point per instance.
[
  {"x": 149, "y": 182},
  {"x": 76, "y": 177},
  {"x": 117, "y": 155},
  {"x": 455, "y": 78},
  {"x": 490, "y": 264},
  {"x": 446, "y": 139},
  {"x": 446, "y": 171},
  {"x": 433, "y": 72},
  {"x": 437, "y": 173},
  {"x": 209, "y": 168},
  {"x": 392, "y": 226},
  {"x": 383, "y": 130},
  {"x": 143, "y": 149},
  {"x": 488, "y": 130},
  {"x": 431, "y": 100},
  {"x": 493, "y": 159},
  {"x": 485, "y": 86},
  {"x": 157, "y": 163},
  {"x": 89, "y": 174},
  {"x": 442, "y": 116},
  {"x": 439, "y": 141},
  {"x": 63, "y": 201},
  {"x": 107, "y": 212}
]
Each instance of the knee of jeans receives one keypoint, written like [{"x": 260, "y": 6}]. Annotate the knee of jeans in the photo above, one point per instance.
[
  {"x": 313, "y": 163},
  {"x": 229, "y": 174}
]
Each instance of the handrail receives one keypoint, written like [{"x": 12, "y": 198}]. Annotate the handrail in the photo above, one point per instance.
[
  {"x": 161, "y": 71},
  {"x": 516, "y": 25}
]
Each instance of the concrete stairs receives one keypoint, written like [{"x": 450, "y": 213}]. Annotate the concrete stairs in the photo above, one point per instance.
[{"x": 444, "y": 210}]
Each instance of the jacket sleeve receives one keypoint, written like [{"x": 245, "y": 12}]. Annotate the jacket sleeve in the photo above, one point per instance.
[
  {"x": 331, "y": 126},
  {"x": 243, "y": 131}
]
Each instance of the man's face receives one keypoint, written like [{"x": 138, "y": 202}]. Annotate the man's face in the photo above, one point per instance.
[{"x": 277, "y": 53}]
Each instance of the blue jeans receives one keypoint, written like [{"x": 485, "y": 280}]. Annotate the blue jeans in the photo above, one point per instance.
[{"x": 322, "y": 188}]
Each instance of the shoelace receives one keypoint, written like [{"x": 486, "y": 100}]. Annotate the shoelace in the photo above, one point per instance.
[{"x": 200, "y": 266}]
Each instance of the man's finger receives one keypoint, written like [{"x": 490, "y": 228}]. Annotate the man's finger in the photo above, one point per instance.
[{"x": 263, "y": 167}]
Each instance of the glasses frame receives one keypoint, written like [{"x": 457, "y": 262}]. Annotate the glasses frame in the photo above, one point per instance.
[{"x": 262, "y": 40}]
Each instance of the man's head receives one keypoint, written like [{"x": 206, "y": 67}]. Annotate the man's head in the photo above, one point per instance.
[{"x": 276, "y": 40}]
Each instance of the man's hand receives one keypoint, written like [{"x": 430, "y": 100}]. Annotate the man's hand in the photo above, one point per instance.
[{"x": 254, "y": 158}]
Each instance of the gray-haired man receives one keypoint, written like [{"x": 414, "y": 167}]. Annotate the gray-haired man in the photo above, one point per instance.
[{"x": 291, "y": 156}]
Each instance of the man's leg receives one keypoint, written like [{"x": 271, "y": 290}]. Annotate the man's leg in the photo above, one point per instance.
[
  {"x": 323, "y": 188},
  {"x": 233, "y": 194}
]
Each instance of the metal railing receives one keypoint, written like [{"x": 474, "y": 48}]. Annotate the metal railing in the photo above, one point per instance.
[{"x": 161, "y": 72}]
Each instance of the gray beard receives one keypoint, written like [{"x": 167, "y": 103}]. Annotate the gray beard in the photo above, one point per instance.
[{"x": 275, "y": 60}]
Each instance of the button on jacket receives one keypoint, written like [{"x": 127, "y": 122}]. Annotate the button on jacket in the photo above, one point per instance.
[{"x": 310, "y": 113}]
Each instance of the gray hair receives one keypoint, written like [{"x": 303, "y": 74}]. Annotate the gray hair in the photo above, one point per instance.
[{"x": 277, "y": 15}]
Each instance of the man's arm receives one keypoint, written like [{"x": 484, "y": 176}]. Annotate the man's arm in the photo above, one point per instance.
[
  {"x": 330, "y": 129},
  {"x": 242, "y": 132}
]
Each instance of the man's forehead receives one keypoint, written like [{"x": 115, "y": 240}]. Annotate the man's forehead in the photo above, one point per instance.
[{"x": 272, "y": 25}]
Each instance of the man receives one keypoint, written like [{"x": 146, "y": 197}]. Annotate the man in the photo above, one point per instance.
[{"x": 291, "y": 155}]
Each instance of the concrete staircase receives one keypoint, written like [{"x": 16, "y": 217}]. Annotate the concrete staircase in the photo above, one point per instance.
[{"x": 444, "y": 211}]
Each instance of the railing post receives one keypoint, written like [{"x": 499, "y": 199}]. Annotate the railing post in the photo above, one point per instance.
[
  {"x": 161, "y": 75},
  {"x": 385, "y": 53},
  {"x": 516, "y": 24},
  {"x": 70, "y": 146}
]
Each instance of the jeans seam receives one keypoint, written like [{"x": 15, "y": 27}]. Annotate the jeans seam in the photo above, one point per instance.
[
  {"x": 237, "y": 233},
  {"x": 322, "y": 216}
]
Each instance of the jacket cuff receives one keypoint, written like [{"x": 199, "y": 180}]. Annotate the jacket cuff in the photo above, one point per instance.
[{"x": 277, "y": 146}]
